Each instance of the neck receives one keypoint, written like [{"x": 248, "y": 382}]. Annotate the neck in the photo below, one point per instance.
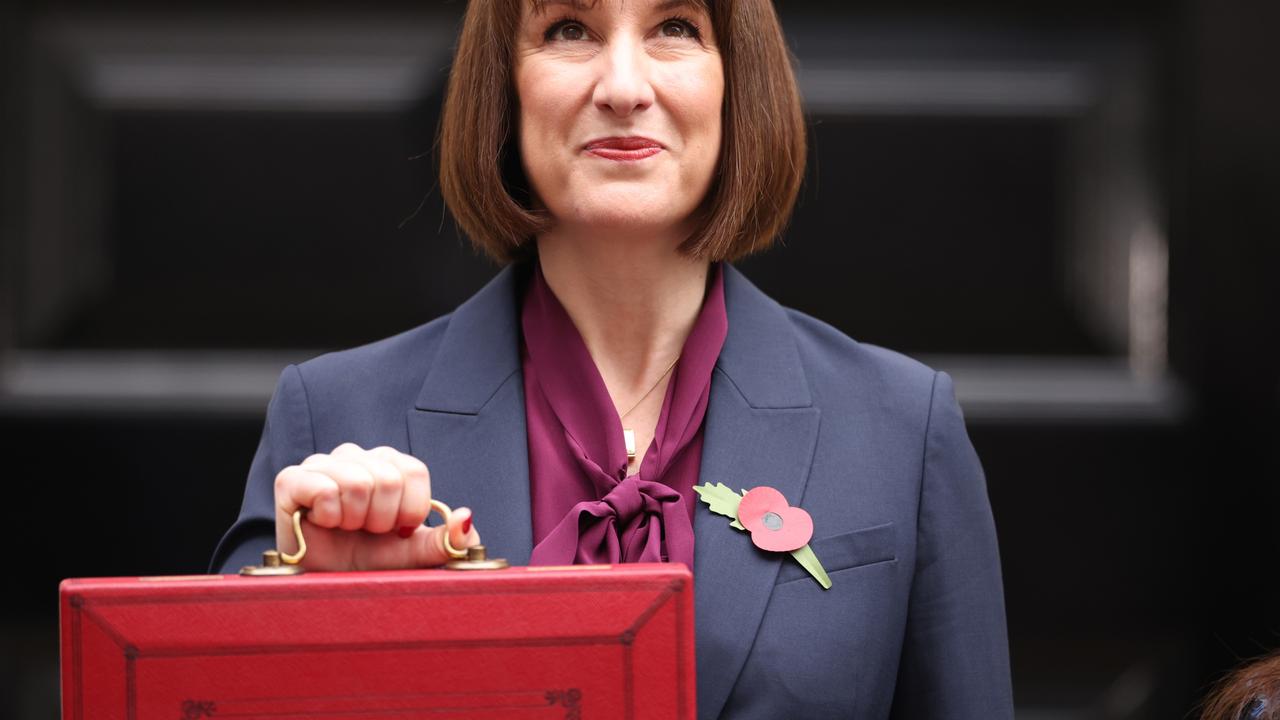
[{"x": 634, "y": 301}]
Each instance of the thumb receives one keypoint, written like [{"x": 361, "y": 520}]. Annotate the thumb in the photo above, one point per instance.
[
  {"x": 428, "y": 542},
  {"x": 461, "y": 534}
]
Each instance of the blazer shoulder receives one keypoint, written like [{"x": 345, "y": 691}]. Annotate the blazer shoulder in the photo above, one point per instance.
[
  {"x": 389, "y": 370},
  {"x": 831, "y": 354},
  {"x": 856, "y": 383}
]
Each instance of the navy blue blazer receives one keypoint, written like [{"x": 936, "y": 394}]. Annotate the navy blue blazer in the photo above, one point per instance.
[{"x": 871, "y": 443}]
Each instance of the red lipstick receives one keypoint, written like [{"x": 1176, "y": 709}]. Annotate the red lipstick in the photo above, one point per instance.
[{"x": 623, "y": 148}]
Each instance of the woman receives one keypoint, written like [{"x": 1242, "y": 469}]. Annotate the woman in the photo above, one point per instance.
[{"x": 614, "y": 156}]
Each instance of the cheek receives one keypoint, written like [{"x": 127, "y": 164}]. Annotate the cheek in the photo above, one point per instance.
[
  {"x": 548, "y": 95},
  {"x": 532, "y": 128},
  {"x": 709, "y": 94},
  {"x": 546, "y": 116},
  {"x": 533, "y": 109},
  {"x": 696, "y": 96}
]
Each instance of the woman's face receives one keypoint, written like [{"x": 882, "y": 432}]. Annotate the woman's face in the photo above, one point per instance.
[{"x": 620, "y": 103}]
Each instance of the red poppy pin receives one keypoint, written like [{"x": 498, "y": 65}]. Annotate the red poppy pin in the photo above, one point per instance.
[{"x": 774, "y": 525}]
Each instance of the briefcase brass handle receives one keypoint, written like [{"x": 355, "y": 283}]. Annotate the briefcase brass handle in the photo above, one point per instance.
[
  {"x": 296, "y": 558},
  {"x": 445, "y": 511},
  {"x": 474, "y": 557},
  {"x": 275, "y": 562}
]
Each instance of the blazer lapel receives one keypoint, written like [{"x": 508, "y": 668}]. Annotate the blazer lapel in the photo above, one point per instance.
[
  {"x": 761, "y": 429},
  {"x": 468, "y": 423}
]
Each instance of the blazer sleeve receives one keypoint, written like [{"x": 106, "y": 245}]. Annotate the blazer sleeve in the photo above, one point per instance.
[
  {"x": 287, "y": 439},
  {"x": 955, "y": 656}
]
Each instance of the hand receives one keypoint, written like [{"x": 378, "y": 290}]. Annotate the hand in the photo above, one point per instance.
[{"x": 364, "y": 511}]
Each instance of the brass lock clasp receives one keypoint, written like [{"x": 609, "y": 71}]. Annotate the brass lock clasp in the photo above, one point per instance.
[
  {"x": 275, "y": 563},
  {"x": 477, "y": 559}
]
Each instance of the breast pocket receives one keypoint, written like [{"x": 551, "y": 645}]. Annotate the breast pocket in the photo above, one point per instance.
[{"x": 845, "y": 551}]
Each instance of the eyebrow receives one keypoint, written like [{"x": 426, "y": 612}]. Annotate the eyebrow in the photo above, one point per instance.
[
  {"x": 673, "y": 4},
  {"x": 540, "y": 6}
]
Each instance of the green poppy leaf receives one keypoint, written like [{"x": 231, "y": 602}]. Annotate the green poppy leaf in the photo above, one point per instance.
[{"x": 722, "y": 501}]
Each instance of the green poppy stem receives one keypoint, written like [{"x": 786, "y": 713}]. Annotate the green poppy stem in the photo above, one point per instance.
[{"x": 809, "y": 562}]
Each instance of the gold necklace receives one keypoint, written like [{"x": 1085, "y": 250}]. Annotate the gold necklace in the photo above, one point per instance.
[{"x": 629, "y": 435}]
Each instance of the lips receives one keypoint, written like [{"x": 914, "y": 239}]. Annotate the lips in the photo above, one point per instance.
[{"x": 624, "y": 149}]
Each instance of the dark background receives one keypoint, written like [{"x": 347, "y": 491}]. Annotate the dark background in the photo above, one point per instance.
[{"x": 1073, "y": 207}]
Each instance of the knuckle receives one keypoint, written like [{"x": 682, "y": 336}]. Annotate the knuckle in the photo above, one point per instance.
[
  {"x": 385, "y": 471},
  {"x": 359, "y": 487},
  {"x": 347, "y": 448},
  {"x": 417, "y": 467},
  {"x": 349, "y": 471},
  {"x": 327, "y": 495},
  {"x": 284, "y": 478},
  {"x": 391, "y": 484}
]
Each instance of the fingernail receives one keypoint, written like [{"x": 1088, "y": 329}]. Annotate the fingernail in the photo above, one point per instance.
[
  {"x": 466, "y": 525},
  {"x": 406, "y": 531}
]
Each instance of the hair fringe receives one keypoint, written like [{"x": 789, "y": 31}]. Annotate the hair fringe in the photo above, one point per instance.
[{"x": 1250, "y": 692}]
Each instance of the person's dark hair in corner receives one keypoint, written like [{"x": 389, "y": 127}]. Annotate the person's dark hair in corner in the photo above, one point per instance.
[{"x": 1250, "y": 692}]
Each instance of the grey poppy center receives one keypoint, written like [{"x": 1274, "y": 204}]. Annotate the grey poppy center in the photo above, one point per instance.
[{"x": 772, "y": 520}]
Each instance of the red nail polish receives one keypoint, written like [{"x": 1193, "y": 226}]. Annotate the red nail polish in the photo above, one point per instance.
[
  {"x": 406, "y": 531},
  {"x": 466, "y": 525}
]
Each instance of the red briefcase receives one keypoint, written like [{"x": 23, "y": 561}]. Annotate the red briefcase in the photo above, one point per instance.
[{"x": 572, "y": 642}]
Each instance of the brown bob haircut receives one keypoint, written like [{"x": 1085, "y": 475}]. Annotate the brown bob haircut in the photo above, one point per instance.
[
  {"x": 762, "y": 152},
  {"x": 1250, "y": 692}
]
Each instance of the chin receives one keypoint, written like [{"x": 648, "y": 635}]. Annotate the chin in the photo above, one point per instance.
[{"x": 629, "y": 208}]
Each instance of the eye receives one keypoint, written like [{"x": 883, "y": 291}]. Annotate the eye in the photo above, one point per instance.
[
  {"x": 679, "y": 28},
  {"x": 570, "y": 30}
]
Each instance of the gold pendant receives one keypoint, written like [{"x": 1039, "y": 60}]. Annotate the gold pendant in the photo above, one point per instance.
[{"x": 629, "y": 436}]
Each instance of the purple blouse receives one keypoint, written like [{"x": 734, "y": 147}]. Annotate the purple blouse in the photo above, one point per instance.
[{"x": 585, "y": 508}]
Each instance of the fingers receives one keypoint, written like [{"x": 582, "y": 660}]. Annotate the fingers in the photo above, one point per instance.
[
  {"x": 372, "y": 485},
  {"x": 355, "y": 497},
  {"x": 352, "y": 489},
  {"x": 355, "y": 488},
  {"x": 377, "y": 485},
  {"x": 415, "y": 498},
  {"x": 298, "y": 487}
]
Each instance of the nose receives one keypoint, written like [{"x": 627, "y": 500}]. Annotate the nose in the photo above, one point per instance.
[{"x": 623, "y": 85}]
